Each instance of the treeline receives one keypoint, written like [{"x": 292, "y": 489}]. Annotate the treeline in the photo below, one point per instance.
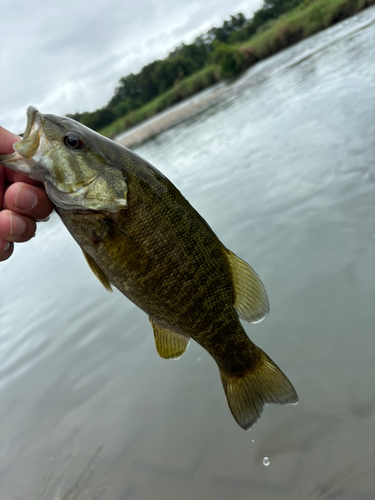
[
  {"x": 136, "y": 90},
  {"x": 271, "y": 9}
]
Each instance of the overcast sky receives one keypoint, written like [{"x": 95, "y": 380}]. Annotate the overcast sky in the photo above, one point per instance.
[{"x": 68, "y": 55}]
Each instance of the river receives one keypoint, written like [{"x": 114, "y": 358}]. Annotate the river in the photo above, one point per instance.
[{"x": 282, "y": 168}]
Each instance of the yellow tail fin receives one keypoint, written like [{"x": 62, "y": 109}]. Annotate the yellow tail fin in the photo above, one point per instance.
[{"x": 262, "y": 384}]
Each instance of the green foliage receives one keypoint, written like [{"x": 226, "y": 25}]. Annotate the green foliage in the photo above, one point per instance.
[
  {"x": 185, "y": 88},
  {"x": 229, "y": 59},
  {"x": 196, "y": 52},
  {"x": 303, "y": 21},
  {"x": 170, "y": 71},
  {"x": 222, "y": 34},
  {"x": 271, "y": 9},
  {"x": 214, "y": 55},
  {"x": 128, "y": 90},
  {"x": 96, "y": 119}
]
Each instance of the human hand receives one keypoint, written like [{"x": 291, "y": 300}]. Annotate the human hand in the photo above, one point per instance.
[{"x": 22, "y": 201}]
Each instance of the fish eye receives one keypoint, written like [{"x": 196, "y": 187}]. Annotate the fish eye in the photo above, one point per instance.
[{"x": 73, "y": 140}]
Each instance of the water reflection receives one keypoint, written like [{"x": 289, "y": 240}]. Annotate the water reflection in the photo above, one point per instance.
[{"x": 55, "y": 482}]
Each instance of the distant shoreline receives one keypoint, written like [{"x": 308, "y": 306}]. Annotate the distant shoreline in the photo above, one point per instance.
[
  {"x": 169, "y": 108},
  {"x": 179, "y": 112},
  {"x": 171, "y": 116}
]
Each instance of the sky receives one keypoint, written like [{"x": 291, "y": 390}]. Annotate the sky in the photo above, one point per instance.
[{"x": 65, "y": 56}]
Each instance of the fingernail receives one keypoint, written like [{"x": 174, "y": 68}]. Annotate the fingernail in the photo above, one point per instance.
[
  {"x": 6, "y": 247},
  {"x": 16, "y": 225},
  {"x": 25, "y": 199},
  {"x": 46, "y": 219}
]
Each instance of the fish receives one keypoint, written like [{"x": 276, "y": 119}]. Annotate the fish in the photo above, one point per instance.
[{"x": 140, "y": 235}]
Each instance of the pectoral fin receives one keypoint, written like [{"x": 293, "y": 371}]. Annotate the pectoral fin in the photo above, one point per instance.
[
  {"x": 250, "y": 296},
  {"x": 170, "y": 345},
  {"x": 98, "y": 272}
]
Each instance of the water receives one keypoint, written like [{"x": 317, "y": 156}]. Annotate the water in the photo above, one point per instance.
[{"x": 283, "y": 171}]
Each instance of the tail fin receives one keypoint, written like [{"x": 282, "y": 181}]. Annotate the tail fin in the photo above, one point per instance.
[{"x": 262, "y": 384}]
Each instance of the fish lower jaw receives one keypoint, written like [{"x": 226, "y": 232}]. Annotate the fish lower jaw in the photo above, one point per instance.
[{"x": 17, "y": 163}]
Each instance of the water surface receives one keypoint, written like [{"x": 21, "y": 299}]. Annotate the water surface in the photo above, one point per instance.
[{"x": 283, "y": 171}]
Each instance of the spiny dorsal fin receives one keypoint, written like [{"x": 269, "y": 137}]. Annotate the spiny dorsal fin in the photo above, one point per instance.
[
  {"x": 170, "y": 345},
  {"x": 98, "y": 272},
  {"x": 262, "y": 384},
  {"x": 250, "y": 296}
]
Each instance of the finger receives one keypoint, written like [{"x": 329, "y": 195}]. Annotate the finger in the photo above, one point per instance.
[
  {"x": 2, "y": 181},
  {"x": 6, "y": 249},
  {"x": 15, "y": 227},
  {"x": 13, "y": 177},
  {"x": 7, "y": 139},
  {"x": 28, "y": 200}
]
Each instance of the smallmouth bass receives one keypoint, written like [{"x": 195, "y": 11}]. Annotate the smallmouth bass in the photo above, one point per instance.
[{"x": 139, "y": 234}]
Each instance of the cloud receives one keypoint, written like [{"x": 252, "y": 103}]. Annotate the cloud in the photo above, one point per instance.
[{"x": 68, "y": 56}]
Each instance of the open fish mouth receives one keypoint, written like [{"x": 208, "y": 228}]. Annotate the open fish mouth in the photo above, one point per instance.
[{"x": 24, "y": 150}]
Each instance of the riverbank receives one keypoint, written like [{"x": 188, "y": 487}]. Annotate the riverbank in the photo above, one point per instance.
[
  {"x": 229, "y": 60},
  {"x": 176, "y": 113},
  {"x": 171, "y": 116},
  {"x": 302, "y": 22}
]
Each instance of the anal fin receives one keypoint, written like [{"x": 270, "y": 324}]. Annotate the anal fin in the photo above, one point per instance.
[
  {"x": 170, "y": 345},
  {"x": 98, "y": 272}
]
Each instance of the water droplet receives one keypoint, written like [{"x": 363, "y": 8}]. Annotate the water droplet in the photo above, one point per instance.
[
  {"x": 266, "y": 461},
  {"x": 252, "y": 440},
  {"x": 199, "y": 360}
]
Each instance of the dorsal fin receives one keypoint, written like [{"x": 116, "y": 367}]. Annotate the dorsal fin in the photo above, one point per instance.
[
  {"x": 98, "y": 272},
  {"x": 170, "y": 345},
  {"x": 250, "y": 296}
]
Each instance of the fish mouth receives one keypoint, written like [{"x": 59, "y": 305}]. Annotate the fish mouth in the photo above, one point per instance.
[
  {"x": 34, "y": 121},
  {"x": 29, "y": 144},
  {"x": 24, "y": 150}
]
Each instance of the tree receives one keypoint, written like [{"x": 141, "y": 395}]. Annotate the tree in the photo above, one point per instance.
[
  {"x": 128, "y": 91},
  {"x": 134, "y": 90},
  {"x": 233, "y": 24},
  {"x": 96, "y": 119},
  {"x": 197, "y": 53},
  {"x": 148, "y": 87},
  {"x": 170, "y": 71}
]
